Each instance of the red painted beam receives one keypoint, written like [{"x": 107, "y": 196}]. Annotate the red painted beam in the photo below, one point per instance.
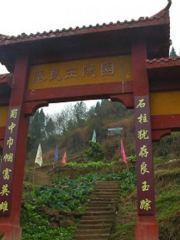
[
  {"x": 31, "y": 107},
  {"x": 76, "y": 93},
  {"x": 159, "y": 83},
  {"x": 166, "y": 121},
  {"x": 158, "y": 134}
]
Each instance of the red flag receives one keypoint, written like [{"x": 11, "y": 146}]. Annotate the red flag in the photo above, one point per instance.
[
  {"x": 123, "y": 152},
  {"x": 64, "y": 159}
]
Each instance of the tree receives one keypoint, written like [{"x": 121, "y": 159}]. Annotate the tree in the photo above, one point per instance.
[
  {"x": 173, "y": 52},
  {"x": 37, "y": 125},
  {"x": 49, "y": 127},
  {"x": 80, "y": 114}
]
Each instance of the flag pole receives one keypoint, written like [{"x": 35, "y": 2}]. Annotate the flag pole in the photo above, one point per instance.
[
  {"x": 34, "y": 172},
  {"x": 38, "y": 160},
  {"x": 124, "y": 158}
]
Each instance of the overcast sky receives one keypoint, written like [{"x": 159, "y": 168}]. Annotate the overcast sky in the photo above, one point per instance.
[{"x": 31, "y": 16}]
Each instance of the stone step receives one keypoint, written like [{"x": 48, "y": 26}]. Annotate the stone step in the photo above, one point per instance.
[
  {"x": 100, "y": 208},
  {"x": 101, "y": 218},
  {"x": 97, "y": 213},
  {"x": 88, "y": 221},
  {"x": 101, "y": 185},
  {"x": 93, "y": 231},
  {"x": 102, "y": 203},
  {"x": 103, "y": 191},
  {"x": 104, "y": 195},
  {"x": 111, "y": 189},
  {"x": 97, "y": 221},
  {"x": 104, "y": 199},
  {"x": 108, "y": 191},
  {"x": 107, "y": 238},
  {"x": 107, "y": 182},
  {"x": 91, "y": 236},
  {"x": 110, "y": 186},
  {"x": 95, "y": 226}
]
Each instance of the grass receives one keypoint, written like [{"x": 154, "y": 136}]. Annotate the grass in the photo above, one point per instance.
[
  {"x": 167, "y": 200},
  {"x": 167, "y": 185}
]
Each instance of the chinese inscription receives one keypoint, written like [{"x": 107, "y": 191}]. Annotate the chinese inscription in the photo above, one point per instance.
[
  {"x": 94, "y": 70},
  {"x": 7, "y": 167},
  {"x": 144, "y": 156}
]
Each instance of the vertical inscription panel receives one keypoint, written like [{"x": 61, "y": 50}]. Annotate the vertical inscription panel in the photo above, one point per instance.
[
  {"x": 7, "y": 166},
  {"x": 145, "y": 170}
]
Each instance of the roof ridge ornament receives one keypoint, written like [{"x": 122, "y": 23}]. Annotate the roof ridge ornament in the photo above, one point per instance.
[{"x": 163, "y": 11}]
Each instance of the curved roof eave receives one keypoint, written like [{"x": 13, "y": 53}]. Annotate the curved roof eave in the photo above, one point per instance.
[{"x": 156, "y": 19}]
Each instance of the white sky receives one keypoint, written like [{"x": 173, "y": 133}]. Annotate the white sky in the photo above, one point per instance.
[{"x": 31, "y": 16}]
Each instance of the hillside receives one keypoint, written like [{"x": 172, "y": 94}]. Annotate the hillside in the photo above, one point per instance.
[
  {"x": 56, "y": 196},
  {"x": 58, "y": 208}
]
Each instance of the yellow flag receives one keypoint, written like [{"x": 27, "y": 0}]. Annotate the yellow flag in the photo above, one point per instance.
[{"x": 38, "y": 158}]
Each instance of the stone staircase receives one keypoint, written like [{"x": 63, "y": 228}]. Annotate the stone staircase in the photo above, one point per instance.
[
  {"x": 97, "y": 221},
  {"x": 41, "y": 177}
]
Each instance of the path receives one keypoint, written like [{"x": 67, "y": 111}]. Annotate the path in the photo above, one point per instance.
[{"x": 97, "y": 222}]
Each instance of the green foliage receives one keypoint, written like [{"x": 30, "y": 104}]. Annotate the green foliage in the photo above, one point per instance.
[
  {"x": 65, "y": 194},
  {"x": 132, "y": 158},
  {"x": 36, "y": 227},
  {"x": 50, "y": 128},
  {"x": 168, "y": 147},
  {"x": 173, "y": 52},
  {"x": 89, "y": 164},
  {"x": 2, "y": 236},
  {"x": 59, "y": 197},
  {"x": 167, "y": 199},
  {"x": 72, "y": 128},
  {"x": 95, "y": 152},
  {"x": 125, "y": 231}
]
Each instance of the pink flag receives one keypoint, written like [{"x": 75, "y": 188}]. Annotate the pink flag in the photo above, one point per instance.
[
  {"x": 64, "y": 159},
  {"x": 123, "y": 152}
]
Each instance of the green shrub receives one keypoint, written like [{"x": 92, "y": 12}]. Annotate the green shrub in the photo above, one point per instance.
[{"x": 95, "y": 152}]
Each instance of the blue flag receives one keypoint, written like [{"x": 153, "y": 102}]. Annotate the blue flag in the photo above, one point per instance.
[
  {"x": 56, "y": 156},
  {"x": 94, "y": 136}
]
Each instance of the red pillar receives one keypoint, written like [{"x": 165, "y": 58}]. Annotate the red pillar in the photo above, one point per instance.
[
  {"x": 147, "y": 228},
  {"x": 10, "y": 225}
]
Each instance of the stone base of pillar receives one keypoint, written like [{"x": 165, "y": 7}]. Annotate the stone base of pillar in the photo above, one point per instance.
[
  {"x": 147, "y": 228},
  {"x": 11, "y": 232}
]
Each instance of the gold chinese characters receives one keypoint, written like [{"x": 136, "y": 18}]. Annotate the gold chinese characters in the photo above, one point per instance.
[{"x": 8, "y": 160}]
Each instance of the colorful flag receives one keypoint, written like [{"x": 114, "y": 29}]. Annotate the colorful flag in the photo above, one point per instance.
[
  {"x": 56, "y": 156},
  {"x": 38, "y": 158},
  {"x": 64, "y": 159},
  {"x": 94, "y": 136},
  {"x": 123, "y": 152}
]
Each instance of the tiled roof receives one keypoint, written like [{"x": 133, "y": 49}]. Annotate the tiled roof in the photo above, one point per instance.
[
  {"x": 163, "y": 60},
  {"x": 2, "y": 76},
  {"x": 142, "y": 21}
]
